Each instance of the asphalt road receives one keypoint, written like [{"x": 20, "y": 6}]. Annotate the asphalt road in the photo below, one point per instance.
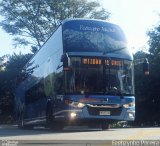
[{"x": 78, "y": 136}]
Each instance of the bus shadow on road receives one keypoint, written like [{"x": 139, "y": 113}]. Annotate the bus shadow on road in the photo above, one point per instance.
[{"x": 12, "y": 131}]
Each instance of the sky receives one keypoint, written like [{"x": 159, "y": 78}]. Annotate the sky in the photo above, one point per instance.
[{"x": 135, "y": 17}]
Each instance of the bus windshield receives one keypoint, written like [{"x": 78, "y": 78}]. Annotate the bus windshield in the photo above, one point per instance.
[
  {"x": 86, "y": 36},
  {"x": 99, "y": 76}
]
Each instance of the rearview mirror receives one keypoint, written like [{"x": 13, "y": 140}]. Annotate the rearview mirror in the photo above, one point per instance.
[
  {"x": 146, "y": 67},
  {"x": 66, "y": 61}
]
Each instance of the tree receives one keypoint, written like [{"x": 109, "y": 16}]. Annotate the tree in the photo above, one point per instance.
[
  {"x": 32, "y": 21},
  {"x": 3, "y": 62},
  {"x": 154, "y": 49},
  {"x": 154, "y": 40},
  {"x": 147, "y": 88},
  {"x": 141, "y": 91},
  {"x": 8, "y": 76}
]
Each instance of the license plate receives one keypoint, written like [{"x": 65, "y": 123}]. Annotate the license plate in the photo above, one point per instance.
[{"x": 104, "y": 113}]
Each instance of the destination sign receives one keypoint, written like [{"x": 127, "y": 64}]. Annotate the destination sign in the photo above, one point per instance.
[
  {"x": 114, "y": 62},
  {"x": 97, "y": 29},
  {"x": 91, "y": 61},
  {"x": 96, "y": 61}
]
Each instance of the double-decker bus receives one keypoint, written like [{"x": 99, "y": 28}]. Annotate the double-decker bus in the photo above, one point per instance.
[{"x": 84, "y": 73}]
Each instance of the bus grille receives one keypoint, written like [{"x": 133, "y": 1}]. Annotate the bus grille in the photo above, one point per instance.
[{"x": 96, "y": 111}]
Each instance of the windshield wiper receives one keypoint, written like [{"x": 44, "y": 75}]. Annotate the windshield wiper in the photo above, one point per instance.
[
  {"x": 115, "y": 91},
  {"x": 115, "y": 50}
]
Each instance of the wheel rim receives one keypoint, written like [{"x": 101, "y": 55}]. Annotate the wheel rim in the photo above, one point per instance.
[{"x": 49, "y": 117}]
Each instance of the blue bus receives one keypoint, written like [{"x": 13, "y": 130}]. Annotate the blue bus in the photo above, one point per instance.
[{"x": 83, "y": 74}]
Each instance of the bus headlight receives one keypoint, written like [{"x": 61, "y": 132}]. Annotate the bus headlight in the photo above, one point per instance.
[
  {"x": 73, "y": 115},
  {"x": 80, "y": 105},
  {"x": 75, "y": 104},
  {"x": 128, "y": 105}
]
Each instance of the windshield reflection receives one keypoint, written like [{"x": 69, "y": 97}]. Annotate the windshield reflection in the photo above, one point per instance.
[
  {"x": 99, "y": 76},
  {"x": 78, "y": 36}
]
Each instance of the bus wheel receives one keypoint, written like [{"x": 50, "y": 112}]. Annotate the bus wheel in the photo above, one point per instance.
[
  {"x": 49, "y": 117},
  {"x": 20, "y": 120},
  {"x": 57, "y": 126},
  {"x": 50, "y": 122},
  {"x": 21, "y": 124},
  {"x": 105, "y": 125}
]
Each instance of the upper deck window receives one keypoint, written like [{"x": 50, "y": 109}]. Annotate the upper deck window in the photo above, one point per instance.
[
  {"x": 103, "y": 76},
  {"x": 92, "y": 36}
]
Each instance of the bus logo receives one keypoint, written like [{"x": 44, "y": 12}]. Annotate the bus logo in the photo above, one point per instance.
[{"x": 105, "y": 100}]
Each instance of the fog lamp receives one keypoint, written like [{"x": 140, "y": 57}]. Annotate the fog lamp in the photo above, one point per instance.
[
  {"x": 73, "y": 115},
  {"x": 80, "y": 105},
  {"x": 128, "y": 105},
  {"x": 131, "y": 115}
]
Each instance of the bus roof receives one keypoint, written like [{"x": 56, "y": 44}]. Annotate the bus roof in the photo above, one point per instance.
[{"x": 86, "y": 19}]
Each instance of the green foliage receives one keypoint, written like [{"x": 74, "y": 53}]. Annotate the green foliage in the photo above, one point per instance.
[
  {"x": 141, "y": 89},
  {"x": 8, "y": 76},
  {"x": 148, "y": 87},
  {"x": 3, "y": 62},
  {"x": 154, "y": 41},
  {"x": 32, "y": 21}
]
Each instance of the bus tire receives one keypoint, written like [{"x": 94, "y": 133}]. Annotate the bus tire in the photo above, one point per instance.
[
  {"x": 49, "y": 116},
  {"x": 105, "y": 125},
  {"x": 20, "y": 120},
  {"x": 57, "y": 126},
  {"x": 21, "y": 124},
  {"x": 50, "y": 122}
]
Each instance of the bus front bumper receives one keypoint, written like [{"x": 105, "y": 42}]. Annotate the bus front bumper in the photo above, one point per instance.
[{"x": 118, "y": 114}]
